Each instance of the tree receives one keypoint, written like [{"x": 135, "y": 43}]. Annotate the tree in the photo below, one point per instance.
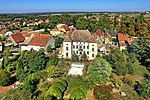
[
  {"x": 92, "y": 25},
  {"x": 58, "y": 41},
  {"x": 53, "y": 61},
  {"x": 99, "y": 70},
  {"x": 50, "y": 72},
  {"x": 30, "y": 83},
  {"x": 103, "y": 92},
  {"x": 137, "y": 25},
  {"x": 49, "y": 49},
  {"x": 75, "y": 57},
  {"x": 116, "y": 81},
  {"x": 29, "y": 62},
  {"x": 57, "y": 89},
  {"x": 123, "y": 28},
  {"x": 84, "y": 57},
  {"x": 82, "y": 23},
  {"x": 6, "y": 57},
  {"x": 14, "y": 94},
  {"x": 37, "y": 62},
  {"x": 131, "y": 30},
  {"x": 123, "y": 62},
  {"x": 143, "y": 88},
  {"x": 5, "y": 78},
  {"x": 79, "y": 89},
  {"x": 142, "y": 49}
]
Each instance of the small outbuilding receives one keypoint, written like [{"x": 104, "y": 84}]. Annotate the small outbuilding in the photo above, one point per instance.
[{"x": 76, "y": 69}]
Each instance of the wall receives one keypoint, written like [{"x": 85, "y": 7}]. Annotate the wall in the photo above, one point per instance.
[
  {"x": 69, "y": 51},
  {"x": 82, "y": 47}
]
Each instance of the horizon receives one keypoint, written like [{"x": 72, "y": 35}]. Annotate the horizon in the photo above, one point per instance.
[{"x": 50, "y": 6}]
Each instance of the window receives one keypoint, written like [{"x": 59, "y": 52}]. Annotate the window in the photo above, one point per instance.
[
  {"x": 66, "y": 44},
  {"x": 66, "y": 54},
  {"x": 77, "y": 46},
  {"x": 77, "y": 52},
  {"x": 83, "y": 47},
  {"x": 87, "y": 47},
  {"x": 88, "y": 52},
  {"x": 66, "y": 48},
  {"x": 73, "y": 46},
  {"x": 80, "y": 53},
  {"x": 92, "y": 49},
  {"x": 92, "y": 55},
  {"x": 80, "y": 47},
  {"x": 92, "y": 45}
]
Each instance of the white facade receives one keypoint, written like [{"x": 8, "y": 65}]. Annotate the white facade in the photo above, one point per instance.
[
  {"x": 56, "y": 32},
  {"x": 29, "y": 47},
  {"x": 79, "y": 48},
  {"x": 123, "y": 48},
  {"x": 1, "y": 47},
  {"x": 50, "y": 42}
]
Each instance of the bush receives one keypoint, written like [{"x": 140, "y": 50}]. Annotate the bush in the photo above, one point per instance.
[
  {"x": 99, "y": 70},
  {"x": 75, "y": 57},
  {"x": 56, "y": 90},
  {"x": 79, "y": 89},
  {"x": 116, "y": 81},
  {"x": 143, "y": 88},
  {"x": 130, "y": 93},
  {"x": 129, "y": 79},
  {"x": 103, "y": 92},
  {"x": 5, "y": 78},
  {"x": 17, "y": 95},
  {"x": 30, "y": 83},
  {"x": 49, "y": 49}
]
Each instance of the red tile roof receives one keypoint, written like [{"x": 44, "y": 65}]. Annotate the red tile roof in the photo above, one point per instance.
[
  {"x": 130, "y": 40},
  {"x": 40, "y": 40},
  {"x": 99, "y": 32},
  {"x": 26, "y": 34},
  {"x": 65, "y": 27},
  {"x": 122, "y": 43},
  {"x": 18, "y": 37},
  {"x": 3, "y": 31},
  {"x": 122, "y": 37}
]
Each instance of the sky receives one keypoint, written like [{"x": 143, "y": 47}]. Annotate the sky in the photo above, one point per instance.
[{"x": 29, "y": 6}]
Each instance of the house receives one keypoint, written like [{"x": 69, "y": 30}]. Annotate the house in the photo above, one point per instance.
[
  {"x": 14, "y": 39},
  {"x": 79, "y": 42},
  {"x": 124, "y": 41},
  {"x": 113, "y": 33},
  {"x": 26, "y": 35},
  {"x": 104, "y": 49},
  {"x": 63, "y": 27},
  {"x": 2, "y": 26},
  {"x": 55, "y": 32},
  {"x": 76, "y": 69},
  {"x": 38, "y": 41},
  {"x": 8, "y": 33},
  {"x": 3, "y": 32}
]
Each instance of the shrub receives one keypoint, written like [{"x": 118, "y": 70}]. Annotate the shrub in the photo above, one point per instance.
[
  {"x": 103, "y": 92},
  {"x": 5, "y": 78}
]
